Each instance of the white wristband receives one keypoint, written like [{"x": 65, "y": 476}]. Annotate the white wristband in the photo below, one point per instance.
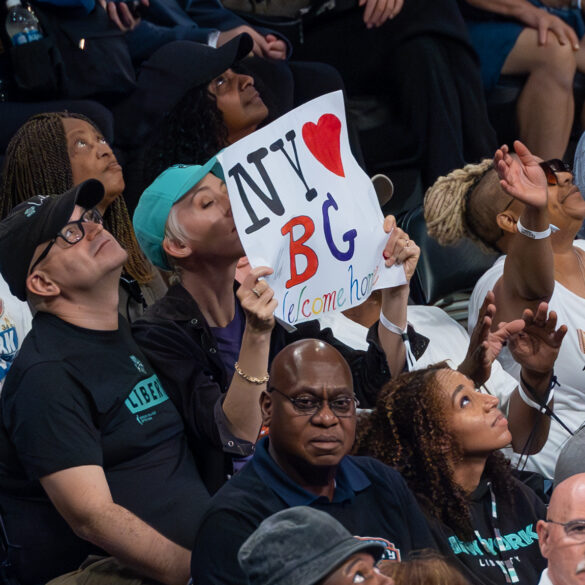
[
  {"x": 410, "y": 359},
  {"x": 533, "y": 404},
  {"x": 531, "y": 234}
]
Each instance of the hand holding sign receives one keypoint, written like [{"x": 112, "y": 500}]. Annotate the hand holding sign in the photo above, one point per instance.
[
  {"x": 400, "y": 249},
  {"x": 257, "y": 300},
  {"x": 303, "y": 206}
]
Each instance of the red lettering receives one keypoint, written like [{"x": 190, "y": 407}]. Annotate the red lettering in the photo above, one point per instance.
[{"x": 298, "y": 248}]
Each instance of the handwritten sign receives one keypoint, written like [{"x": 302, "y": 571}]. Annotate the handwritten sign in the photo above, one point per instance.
[{"x": 304, "y": 207}]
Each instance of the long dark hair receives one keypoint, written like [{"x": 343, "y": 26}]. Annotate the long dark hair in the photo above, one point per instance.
[
  {"x": 408, "y": 429},
  {"x": 37, "y": 162}
]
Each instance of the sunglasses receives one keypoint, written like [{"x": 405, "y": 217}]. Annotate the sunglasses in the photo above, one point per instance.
[{"x": 554, "y": 166}]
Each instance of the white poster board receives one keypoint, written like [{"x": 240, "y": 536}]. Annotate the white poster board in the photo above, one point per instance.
[{"x": 304, "y": 207}]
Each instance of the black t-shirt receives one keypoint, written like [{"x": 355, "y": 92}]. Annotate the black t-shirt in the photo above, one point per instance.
[
  {"x": 79, "y": 397},
  {"x": 483, "y": 561},
  {"x": 371, "y": 500}
]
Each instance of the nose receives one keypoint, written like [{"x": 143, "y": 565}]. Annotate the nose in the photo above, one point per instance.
[
  {"x": 490, "y": 402},
  {"x": 244, "y": 81},
  {"x": 92, "y": 229},
  {"x": 224, "y": 201},
  {"x": 325, "y": 417},
  {"x": 104, "y": 149}
]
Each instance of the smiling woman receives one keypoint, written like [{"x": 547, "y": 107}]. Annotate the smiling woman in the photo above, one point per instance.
[{"x": 444, "y": 436}]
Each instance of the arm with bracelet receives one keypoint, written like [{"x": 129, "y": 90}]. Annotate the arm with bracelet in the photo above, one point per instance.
[
  {"x": 530, "y": 409},
  {"x": 528, "y": 275},
  {"x": 251, "y": 369},
  {"x": 399, "y": 250}
]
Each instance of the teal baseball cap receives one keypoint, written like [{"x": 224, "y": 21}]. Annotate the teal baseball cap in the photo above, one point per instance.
[{"x": 154, "y": 206}]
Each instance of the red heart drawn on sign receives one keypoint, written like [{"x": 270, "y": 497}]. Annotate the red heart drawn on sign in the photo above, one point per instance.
[{"x": 322, "y": 139}]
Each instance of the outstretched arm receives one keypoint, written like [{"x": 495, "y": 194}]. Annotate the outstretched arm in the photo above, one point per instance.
[
  {"x": 82, "y": 496},
  {"x": 528, "y": 275},
  {"x": 485, "y": 345},
  {"x": 535, "y": 348}
]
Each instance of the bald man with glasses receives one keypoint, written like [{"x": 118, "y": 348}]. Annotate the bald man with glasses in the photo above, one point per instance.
[
  {"x": 562, "y": 535},
  {"x": 310, "y": 409}
]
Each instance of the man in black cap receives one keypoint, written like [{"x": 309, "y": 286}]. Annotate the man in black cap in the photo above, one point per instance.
[
  {"x": 310, "y": 409},
  {"x": 303, "y": 545},
  {"x": 93, "y": 456}
]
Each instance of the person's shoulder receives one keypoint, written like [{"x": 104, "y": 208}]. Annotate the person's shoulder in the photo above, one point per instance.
[
  {"x": 243, "y": 496},
  {"x": 376, "y": 471},
  {"x": 176, "y": 305}
]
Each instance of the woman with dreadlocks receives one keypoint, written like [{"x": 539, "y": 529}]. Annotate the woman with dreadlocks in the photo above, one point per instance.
[
  {"x": 444, "y": 436},
  {"x": 531, "y": 217},
  {"x": 51, "y": 153}
]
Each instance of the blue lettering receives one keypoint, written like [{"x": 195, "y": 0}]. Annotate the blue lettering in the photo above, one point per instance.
[{"x": 347, "y": 236}]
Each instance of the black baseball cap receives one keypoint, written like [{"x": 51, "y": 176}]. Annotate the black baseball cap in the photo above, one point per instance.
[
  {"x": 38, "y": 220},
  {"x": 167, "y": 76}
]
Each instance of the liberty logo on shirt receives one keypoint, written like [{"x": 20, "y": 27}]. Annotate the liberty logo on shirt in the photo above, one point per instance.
[{"x": 144, "y": 396}]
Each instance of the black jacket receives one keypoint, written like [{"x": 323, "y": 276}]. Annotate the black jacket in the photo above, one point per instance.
[{"x": 177, "y": 340}]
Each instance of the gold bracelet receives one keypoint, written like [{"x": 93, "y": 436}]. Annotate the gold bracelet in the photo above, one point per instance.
[{"x": 251, "y": 379}]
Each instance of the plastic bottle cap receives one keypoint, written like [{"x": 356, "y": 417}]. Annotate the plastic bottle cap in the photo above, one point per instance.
[{"x": 11, "y": 3}]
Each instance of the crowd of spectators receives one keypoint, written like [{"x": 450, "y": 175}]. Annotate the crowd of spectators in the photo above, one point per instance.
[{"x": 158, "y": 423}]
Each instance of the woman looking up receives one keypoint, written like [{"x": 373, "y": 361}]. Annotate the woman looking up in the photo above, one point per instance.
[
  {"x": 504, "y": 215},
  {"x": 53, "y": 152},
  {"x": 444, "y": 436}
]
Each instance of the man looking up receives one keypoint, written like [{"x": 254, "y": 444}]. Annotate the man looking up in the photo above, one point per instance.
[
  {"x": 562, "y": 535},
  {"x": 310, "y": 408},
  {"x": 93, "y": 456}
]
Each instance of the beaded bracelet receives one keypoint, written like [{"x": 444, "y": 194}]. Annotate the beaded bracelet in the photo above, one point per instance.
[{"x": 251, "y": 379}]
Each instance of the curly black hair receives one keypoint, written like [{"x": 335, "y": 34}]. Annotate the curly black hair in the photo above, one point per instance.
[
  {"x": 193, "y": 131},
  {"x": 408, "y": 429}
]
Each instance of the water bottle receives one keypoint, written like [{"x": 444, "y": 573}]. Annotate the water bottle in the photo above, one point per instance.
[{"x": 22, "y": 25}]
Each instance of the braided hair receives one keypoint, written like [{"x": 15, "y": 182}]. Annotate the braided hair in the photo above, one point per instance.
[
  {"x": 409, "y": 430},
  {"x": 37, "y": 162},
  {"x": 465, "y": 204}
]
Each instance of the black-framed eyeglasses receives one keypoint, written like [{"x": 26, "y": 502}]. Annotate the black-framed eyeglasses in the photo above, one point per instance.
[
  {"x": 72, "y": 233},
  {"x": 341, "y": 407},
  {"x": 574, "y": 529},
  {"x": 554, "y": 166}
]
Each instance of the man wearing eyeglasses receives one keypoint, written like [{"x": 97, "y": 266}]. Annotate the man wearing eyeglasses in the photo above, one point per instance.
[
  {"x": 310, "y": 409},
  {"x": 561, "y": 536},
  {"x": 93, "y": 455}
]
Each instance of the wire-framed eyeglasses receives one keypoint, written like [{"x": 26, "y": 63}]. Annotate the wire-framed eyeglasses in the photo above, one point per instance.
[
  {"x": 341, "y": 406},
  {"x": 554, "y": 166},
  {"x": 574, "y": 529},
  {"x": 72, "y": 233}
]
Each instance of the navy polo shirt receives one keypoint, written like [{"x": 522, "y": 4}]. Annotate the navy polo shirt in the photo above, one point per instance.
[
  {"x": 371, "y": 500},
  {"x": 349, "y": 480}
]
